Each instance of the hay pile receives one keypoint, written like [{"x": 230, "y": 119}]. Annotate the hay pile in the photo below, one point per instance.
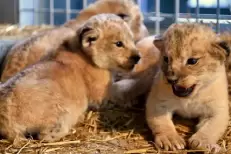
[
  {"x": 16, "y": 32},
  {"x": 112, "y": 129}
]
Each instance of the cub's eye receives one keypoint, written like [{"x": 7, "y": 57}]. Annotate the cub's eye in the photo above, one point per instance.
[
  {"x": 165, "y": 59},
  {"x": 119, "y": 44},
  {"x": 123, "y": 16},
  {"x": 192, "y": 61}
]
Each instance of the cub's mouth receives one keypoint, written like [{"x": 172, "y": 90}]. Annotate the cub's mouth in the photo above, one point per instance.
[
  {"x": 132, "y": 61},
  {"x": 127, "y": 68},
  {"x": 182, "y": 91}
]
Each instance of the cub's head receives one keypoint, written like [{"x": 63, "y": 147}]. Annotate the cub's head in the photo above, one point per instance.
[
  {"x": 125, "y": 9},
  {"x": 192, "y": 57},
  {"x": 108, "y": 41}
]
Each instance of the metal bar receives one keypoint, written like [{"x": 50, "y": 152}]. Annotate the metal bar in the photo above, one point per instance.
[
  {"x": 139, "y": 3},
  {"x": 16, "y": 11},
  {"x": 157, "y": 22},
  {"x": 166, "y": 15},
  {"x": 52, "y": 12},
  {"x": 218, "y": 16},
  {"x": 34, "y": 12},
  {"x": 19, "y": 13},
  {"x": 229, "y": 7},
  {"x": 197, "y": 11},
  {"x": 84, "y": 4},
  {"x": 177, "y": 10},
  {"x": 68, "y": 9},
  {"x": 46, "y": 10}
]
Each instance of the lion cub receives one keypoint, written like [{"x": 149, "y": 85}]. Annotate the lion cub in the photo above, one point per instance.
[
  {"x": 126, "y": 9},
  {"x": 32, "y": 49},
  {"x": 49, "y": 97},
  {"x": 141, "y": 77},
  {"x": 192, "y": 83}
]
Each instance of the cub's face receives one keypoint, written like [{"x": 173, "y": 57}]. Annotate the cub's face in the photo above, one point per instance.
[
  {"x": 108, "y": 41},
  {"x": 191, "y": 57}
]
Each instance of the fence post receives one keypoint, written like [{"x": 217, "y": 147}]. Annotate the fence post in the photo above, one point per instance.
[
  {"x": 218, "y": 16},
  {"x": 52, "y": 12},
  {"x": 157, "y": 22},
  {"x": 35, "y": 9},
  {"x": 197, "y": 11},
  {"x": 84, "y": 4},
  {"x": 68, "y": 10},
  {"x": 16, "y": 11},
  {"x": 177, "y": 10}
]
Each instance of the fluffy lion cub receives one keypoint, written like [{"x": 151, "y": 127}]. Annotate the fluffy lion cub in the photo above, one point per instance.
[
  {"x": 49, "y": 97},
  {"x": 141, "y": 77},
  {"x": 32, "y": 49},
  {"x": 126, "y": 9},
  {"x": 192, "y": 83}
]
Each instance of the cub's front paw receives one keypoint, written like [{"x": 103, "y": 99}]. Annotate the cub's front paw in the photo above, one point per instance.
[
  {"x": 170, "y": 141},
  {"x": 197, "y": 142}
]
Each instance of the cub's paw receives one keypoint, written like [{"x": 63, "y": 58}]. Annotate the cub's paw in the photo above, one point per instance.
[
  {"x": 199, "y": 143},
  {"x": 54, "y": 132},
  {"x": 170, "y": 141}
]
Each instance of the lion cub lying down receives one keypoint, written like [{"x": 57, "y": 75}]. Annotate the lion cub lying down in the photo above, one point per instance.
[
  {"x": 49, "y": 97},
  {"x": 128, "y": 10},
  {"x": 31, "y": 50},
  {"x": 192, "y": 83},
  {"x": 141, "y": 77}
]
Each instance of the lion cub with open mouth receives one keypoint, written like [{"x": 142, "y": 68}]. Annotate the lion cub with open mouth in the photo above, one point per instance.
[
  {"x": 192, "y": 83},
  {"x": 48, "y": 98}
]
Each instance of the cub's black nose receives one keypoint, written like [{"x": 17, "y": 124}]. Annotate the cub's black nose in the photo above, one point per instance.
[{"x": 135, "y": 58}]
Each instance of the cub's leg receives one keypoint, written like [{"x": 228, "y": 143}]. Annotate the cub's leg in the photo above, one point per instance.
[
  {"x": 70, "y": 115},
  {"x": 209, "y": 130},
  {"x": 159, "y": 119}
]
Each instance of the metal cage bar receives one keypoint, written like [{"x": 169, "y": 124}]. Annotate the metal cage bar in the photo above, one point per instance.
[
  {"x": 177, "y": 10},
  {"x": 35, "y": 20},
  {"x": 68, "y": 9},
  {"x": 52, "y": 12},
  {"x": 157, "y": 22},
  {"x": 84, "y": 4},
  {"x": 197, "y": 11},
  {"x": 218, "y": 17},
  {"x": 156, "y": 14}
]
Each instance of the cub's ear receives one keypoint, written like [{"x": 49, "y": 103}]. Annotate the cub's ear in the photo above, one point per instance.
[
  {"x": 221, "y": 50},
  {"x": 159, "y": 42},
  {"x": 226, "y": 47},
  {"x": 87, "y": 36}
]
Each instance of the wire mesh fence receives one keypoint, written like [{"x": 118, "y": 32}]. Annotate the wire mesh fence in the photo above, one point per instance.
[{"x": 56, "y": 12}]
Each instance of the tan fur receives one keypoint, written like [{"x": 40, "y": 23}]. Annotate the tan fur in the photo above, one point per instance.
[
  {"x": 226, "y": 37},
  {"x": 142, "y": 75},
  {"x": 149, "y": 54},
  {"x": 49, "y": 97},
  {"x": 133, "y": 14},
  {"x": 32, "y": 49},
  {"x": 209, "y": 99}
]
